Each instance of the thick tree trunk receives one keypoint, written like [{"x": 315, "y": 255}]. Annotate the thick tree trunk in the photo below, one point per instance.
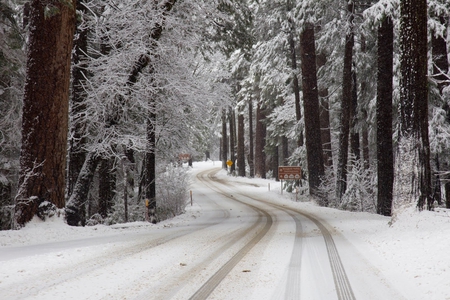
[
  {"x": 414, "y": 97},
  {"x": 250, "y": 140},
  {"x": 311, "y": 109},
  {"x": 385, "y": 157},
  {"x": 260, "y": 143},
  {"x": 45, "y": 110},
  {"x": 341, "y": 182},
  {"x": 241, "y": 146}
]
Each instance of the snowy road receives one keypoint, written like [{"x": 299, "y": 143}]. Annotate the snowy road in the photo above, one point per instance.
[{"x": 241, "y": 246}]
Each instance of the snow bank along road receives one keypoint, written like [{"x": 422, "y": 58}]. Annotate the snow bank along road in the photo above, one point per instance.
[{"x": 239, "y": 247}]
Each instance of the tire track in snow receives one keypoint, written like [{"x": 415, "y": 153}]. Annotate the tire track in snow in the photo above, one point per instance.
[
  {"x": 344, "y": 290},
  {"x": 208, "y": 287}
]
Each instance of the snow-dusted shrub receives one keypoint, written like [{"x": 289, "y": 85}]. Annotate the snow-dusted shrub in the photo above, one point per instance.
[
  {"x": 326, "y": 192},
  {"x": 135, "y": 212},
  {"x": 360, "y": 194},
  {"x": 95, "y": 220},
  {"x": 172, "y": 189}
]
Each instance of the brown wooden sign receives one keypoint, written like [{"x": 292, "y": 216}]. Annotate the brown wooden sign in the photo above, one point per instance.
[
  {"x": 184, "y": 157},
  {"x": 289, "y": 173}
]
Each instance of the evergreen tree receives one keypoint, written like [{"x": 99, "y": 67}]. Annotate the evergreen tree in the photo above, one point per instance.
[
  {"x": 45, "y": 108},
  {"x": 414, "y": 147}
]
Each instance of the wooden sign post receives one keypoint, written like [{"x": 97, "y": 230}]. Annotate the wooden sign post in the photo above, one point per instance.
[{"x": 289, "y": 173}]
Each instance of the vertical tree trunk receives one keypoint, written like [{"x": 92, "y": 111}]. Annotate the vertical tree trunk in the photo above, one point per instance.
[
  {"x": 250, "y": 139},
  {"x": 354, "y": 134},
  {"x": 364, "y": 116},
  {"x": 341, "y": 182},
  {"x": 284, "y": 151},
  {"x": 413, "y": 130},
  {"x": 275, "y": 162},
  {"x": 106, "y": 186},
  {"x": 260, "y": 143},
  {"x": 45, "y": 110},
  {"x": 150, "y": 167},
  {"x": 232, "y": 140},
  {"x": 295, "y": 84},
  {"x": 241, "y": 146},
  {"x": 311, "y": 108},
  {"x": 77, "y": 140},
  {"x": 440, "y": 69},
  {"x": 75, "y": 215},
  {"x": 385, "y": 157},
  {"x": 224, "y": 140},
  {"x": 325, "y": 117}
]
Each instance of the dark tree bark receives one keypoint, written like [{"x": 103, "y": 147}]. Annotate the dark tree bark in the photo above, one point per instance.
[
  {"x": 311, "y": 108},
  {"x": 364, "y": 117},
  {"x": 284, "y": 151},
  {"x": 241, "y": 146},
  {"x": 275, "y": 162},
  {"x": 250, "y": 140},
  {"x": 77, "y": 154},
  {"x": 260, "y": 143},
  {"x": 325, "y": 117},
  {"x": 354, "y": 134},
  {"x": 385, "y": 157},
  {"x": 341, "y": 182},
  {"x": 106, "y": 186},
  {"x": 150, "y": 166},
  {"x": 45, "y": 110},
  {"x": 224, "y": 140},
  {"x": 414, "y": 94},
  {"x": 232, "y": 140}
]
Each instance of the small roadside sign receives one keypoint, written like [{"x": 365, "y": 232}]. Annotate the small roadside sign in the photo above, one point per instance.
[
  {"x": 229, "y": 163},
  {"x": 289, "y": 173}
]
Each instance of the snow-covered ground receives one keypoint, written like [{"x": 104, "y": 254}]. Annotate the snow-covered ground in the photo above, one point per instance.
[{"x": 410, "y": 253}]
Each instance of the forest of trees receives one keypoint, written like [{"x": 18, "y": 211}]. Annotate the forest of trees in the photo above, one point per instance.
[{"x": 99, "y": 98}]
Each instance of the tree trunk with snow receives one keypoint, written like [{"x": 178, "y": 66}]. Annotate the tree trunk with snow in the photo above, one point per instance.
[
  {"x": 75, "y": 208},
  {"x": 341, "y": 181},
  {"x": 414, "y": 182},
  {"x": 295, "y": 83},
  {"x": 440, "y": 70},
  {"x": 325, "y": 125},
  {"x": 45, "y": 108}
]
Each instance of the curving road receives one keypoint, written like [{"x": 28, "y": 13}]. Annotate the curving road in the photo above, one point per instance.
[{"x": 241, "y": 247}]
